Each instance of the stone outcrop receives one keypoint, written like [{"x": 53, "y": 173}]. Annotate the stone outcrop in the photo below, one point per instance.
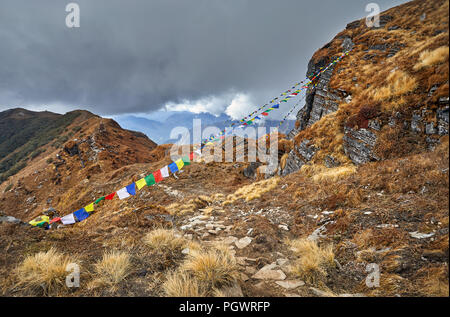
[
  {"x": 299, "y": 156},
  {"x": 250, "y": 171},
  {"x": 320, "y": 101},
  {"x": 359, "y": 144}
]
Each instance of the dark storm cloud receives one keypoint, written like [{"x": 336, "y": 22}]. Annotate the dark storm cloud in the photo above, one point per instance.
[{"x": 137, "y": 56}]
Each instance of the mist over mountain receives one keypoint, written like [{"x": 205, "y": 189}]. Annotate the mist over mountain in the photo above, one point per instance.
[{"x": 158, "y": 126}]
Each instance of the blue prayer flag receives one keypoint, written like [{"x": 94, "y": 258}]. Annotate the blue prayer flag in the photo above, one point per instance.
[
  {"x": 173, "y": 167},
  {"x": 131, "y": 189},
  {"x": 81, "y": 214}
]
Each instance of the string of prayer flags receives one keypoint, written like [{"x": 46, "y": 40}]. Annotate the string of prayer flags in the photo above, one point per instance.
[
  {"x": 81, "y": 214},
  {"x": 123, "y": 193},
  {"x": 110, "y": 196}
]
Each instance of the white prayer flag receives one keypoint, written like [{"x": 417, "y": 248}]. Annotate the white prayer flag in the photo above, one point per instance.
[
  {"x": 122, "y": 193},
  {"x": 68, "y": 220},
  {"x": 198, "y": 152},
  {"x": 165, "y": 171}
]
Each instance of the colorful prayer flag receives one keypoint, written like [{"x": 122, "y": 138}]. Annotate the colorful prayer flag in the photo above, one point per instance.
[
  {"x": 89, "y": 208},
  {"x": 173, "y": 167},
  {"x": 141, "y": 183},
  {"x": 81, "y": 214},
  {"x": 39, "y": 221},
  {"x": 123, "y": 193},
  {"x": 68, "y": 219},
  {"x": 186, "y": 160},
  {"x": 158, "y": 176},
  {"x": 131, "y": 189},
  {"x": 150, "y": 180},
  {"x": 99, "y": 200},
  {"x": 55, "y": 220},
  {"x": 165, "y": 171},
  {"x": 110, "y": 196}
]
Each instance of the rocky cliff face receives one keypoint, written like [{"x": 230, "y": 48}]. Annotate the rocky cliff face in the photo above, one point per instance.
[{"x": 375, "y": 116}]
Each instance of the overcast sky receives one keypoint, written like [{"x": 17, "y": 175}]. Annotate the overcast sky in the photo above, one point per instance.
[{"x": 138, "y": 56}]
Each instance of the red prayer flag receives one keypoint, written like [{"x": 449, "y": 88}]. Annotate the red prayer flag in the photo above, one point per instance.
[
  {"x": 158, "y": 176},
  {"x": 191, "y": 156},
  {"x": 265, "y": 114},
  {"x": 110, "y": 196},
  {"x": 55, "y": 220}
]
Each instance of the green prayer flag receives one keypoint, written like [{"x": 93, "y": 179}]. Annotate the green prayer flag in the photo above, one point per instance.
[
  {"x": 150, "y": 180},
  {"x": 99, "y": 200},
  {"x": 186, "y": 160}
]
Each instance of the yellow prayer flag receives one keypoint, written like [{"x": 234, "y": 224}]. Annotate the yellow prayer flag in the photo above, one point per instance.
[
  {"x": 179, "y": 163},
  {"x": 141, "y": 183},
  {"x": 89, "y": 208}
]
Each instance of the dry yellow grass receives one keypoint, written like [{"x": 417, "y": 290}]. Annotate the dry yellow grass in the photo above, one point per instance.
[
  {"x": 177, "y": 209},
  {"x": 180, "y": 209},
  {"x": 44, "y": 271},
  {"x": 437, "y": 286},
  {"x": 112, "y": 269},
  {"x": 313, "y": 261},
  {"x": 215, "y": 267},
  {"x": 253, "y": 191},
  {"x": 430, "y": 58},
  {"x": 399, "y": 83},
  {"x": 164, "y": 240},
  {"x": 182, "y": 284},
  {"x": 283, "y": 160},
  {"x": 320, "y": 173}
]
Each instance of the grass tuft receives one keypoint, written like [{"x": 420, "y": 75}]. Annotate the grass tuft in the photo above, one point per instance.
[
  {"x": 164, "y": 240},
  {"x": 112, "y": 269},
  {"x": 430, "y": 58},
  {"x": 313, "y": 261},
  {"x": 43, "y": 273},
  {"x": 253, "y": 191},
  {"x": 215, "y": 267},
  {"x": 183, "y": 284}
]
